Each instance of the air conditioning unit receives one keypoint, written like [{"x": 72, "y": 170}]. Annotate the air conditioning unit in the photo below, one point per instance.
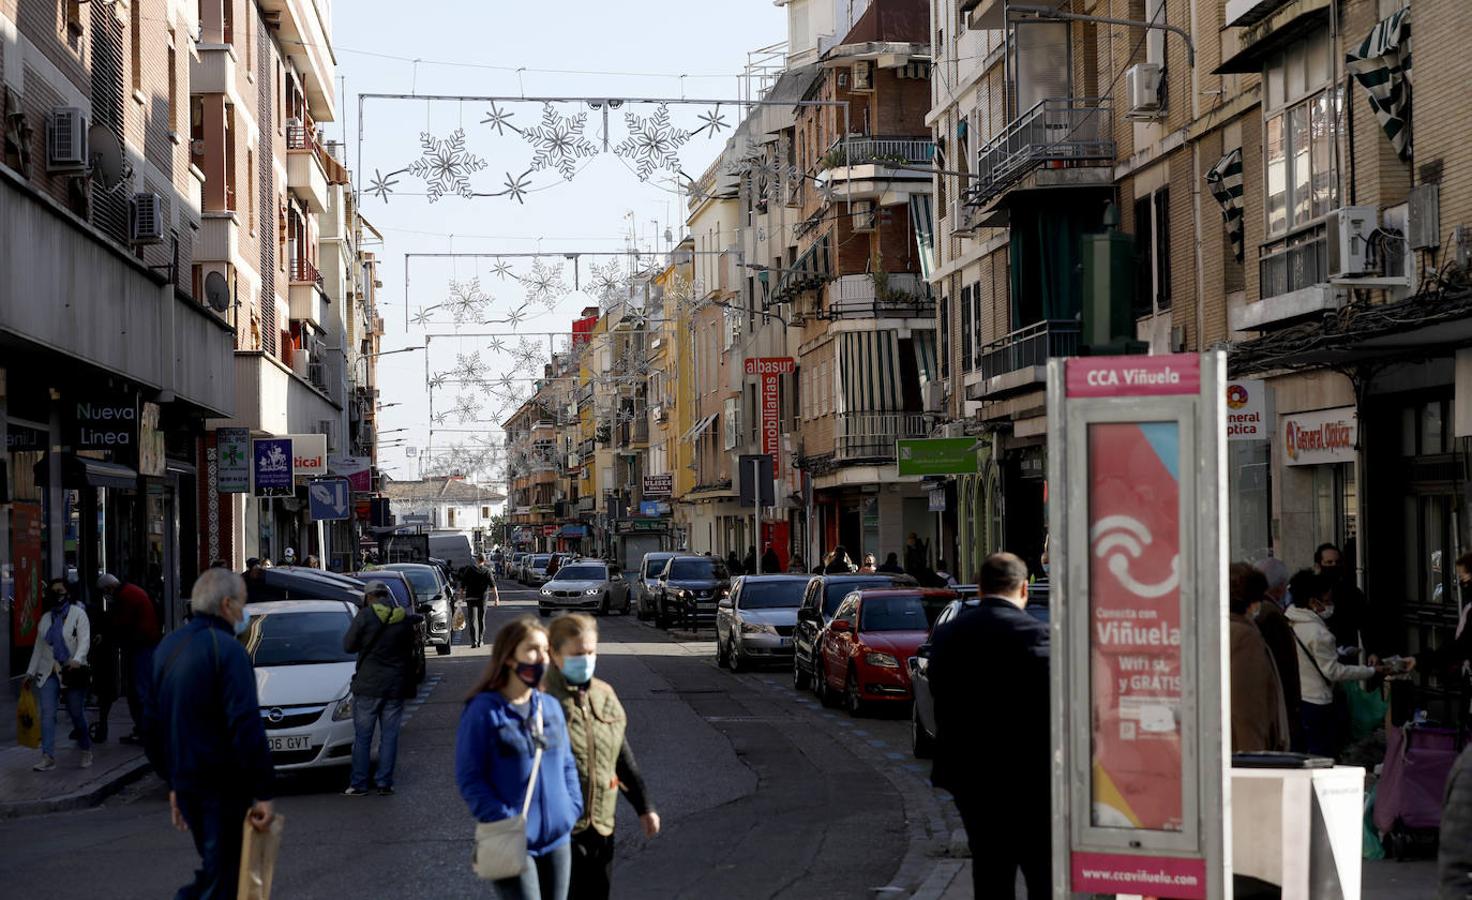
[
  {"x": 1142, "y": 89},
  {"x": 66, "y": 140},
  {"x": 148, "y": 219},
  {"x": 863, "y": 215},
  {"x": 862, "y": 76},
  {"x": 1347, "y": 231},
  {"x": 660, "y": 413}
]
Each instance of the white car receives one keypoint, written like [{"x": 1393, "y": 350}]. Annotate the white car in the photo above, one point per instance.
[
  {"x": 585, "y": 584},
  {"x": 302, "y": 677}
]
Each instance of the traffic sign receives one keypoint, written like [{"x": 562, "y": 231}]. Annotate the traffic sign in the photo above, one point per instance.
[{"x": 331, "y": 499}]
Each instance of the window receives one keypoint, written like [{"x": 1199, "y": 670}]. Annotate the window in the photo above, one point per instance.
[
  {"x": 732, "y": 422},
  {"x": 227, "y": 20},
  {"x": 1152, "y": 252},
  {"x": 1302, "y": 111},
  {"x": 966, "y": 350},
  {"x": 173, "y": 63},
  {"x": 250, "y": 188},
  {"x": 976, "y": 324},
  {"x": 250, "y": 41},
  {"x": 135, "y": 35},
  {"x": 230, "y": 194},
  {"x": 73, "y": 16},
  {"x": 945, "y": 337},
  {"x": 450, "y": 516},
  {"x": 485, "y": 512}
]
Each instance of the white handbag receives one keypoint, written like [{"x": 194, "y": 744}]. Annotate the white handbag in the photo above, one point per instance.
[{"x": 500, "y": 847}]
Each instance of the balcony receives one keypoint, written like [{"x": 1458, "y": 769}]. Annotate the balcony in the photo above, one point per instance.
[
  {"x": 1060, "y": 142},
  {"x": 304, "y": 172},
  {"x": 886, "y": 170},
  {"x": 633, "y": 434},
  {"x": 215, "y": 71},
  {"x": 305, "y": 293},
  {"x": 880, "y": 295},
  {"x": 1020, "y": 359},
  {"x": 871, "y": 436},
  {"x": 1293, "y": 283},
  {"x": 219, "y": 237},
  {"x": 302, "y": 27}
]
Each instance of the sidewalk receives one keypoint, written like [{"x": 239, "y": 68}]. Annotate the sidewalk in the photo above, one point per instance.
[{"x": 23, "y": 792}]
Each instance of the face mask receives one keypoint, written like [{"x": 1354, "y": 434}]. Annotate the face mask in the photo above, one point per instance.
[
  {"x": 1045, "y": 568},
  {"x": 531, "y": 673},
  {"x": 1327, "y": 612},
  {"x": 579, "y": 669},
  {"x": 244, "y": 620}
]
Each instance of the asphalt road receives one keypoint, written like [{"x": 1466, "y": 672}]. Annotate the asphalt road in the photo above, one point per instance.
[{"x": 763, "y": 794}]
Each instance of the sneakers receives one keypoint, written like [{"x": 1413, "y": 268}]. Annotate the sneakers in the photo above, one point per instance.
[
  {"x": 385, "y": 792},
  {"x": 86, "y": 759},
  {"x": 45, "y": 765},
  {"x": 355, "y": 792}
]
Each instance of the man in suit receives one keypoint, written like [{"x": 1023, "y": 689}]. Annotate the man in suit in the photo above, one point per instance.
[{"x": 993, "y": 756}]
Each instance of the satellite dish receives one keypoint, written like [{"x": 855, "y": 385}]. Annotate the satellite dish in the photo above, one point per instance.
[
  {"x": 107, "y": 154},
  {"x": 217, "y": 291}
]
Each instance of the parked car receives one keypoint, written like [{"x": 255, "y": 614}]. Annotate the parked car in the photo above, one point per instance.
[
  {"x": 823, "y": 594},
  {"x": 689, "y": 589},
  {"x": 585, "y": 584},
  {"x": 650, "y": 567},
  {"x": 403, "y": 591},
  {"x": 513, "y": 565},
  {"x": 755, "y": 623},
  {"x": 431, "y": 588},
  {"x": 302, "y": 677},
  {"x": 863, "y": 653},
  {"x": 922, "y": 712},
  {"x": 453, "y": 547},
  {"x": 302, "y": 583},
  {"x": 534, "y": 572}
]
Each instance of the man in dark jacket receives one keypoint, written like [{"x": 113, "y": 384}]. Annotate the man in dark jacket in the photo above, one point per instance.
[
  {"x": 382, "y": 634},
  {"x": 1454, "y": 859},
  {"x": 476, "y": 580},
  {"x": 997, "y": 766},
  {"x": 204, "y": 732},
  {"x": 135, "y": 625}
]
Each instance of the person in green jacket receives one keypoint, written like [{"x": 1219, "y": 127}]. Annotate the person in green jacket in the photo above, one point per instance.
[{"x": 595, "y": 726}]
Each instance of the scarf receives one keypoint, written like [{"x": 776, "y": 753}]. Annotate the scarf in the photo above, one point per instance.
[
  {"x": 389, "y": 615},
  {"x": 55, "y": 636}
]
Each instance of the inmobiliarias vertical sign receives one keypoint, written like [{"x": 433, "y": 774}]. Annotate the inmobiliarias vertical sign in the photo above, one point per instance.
[{"x": 770, "y": 369}]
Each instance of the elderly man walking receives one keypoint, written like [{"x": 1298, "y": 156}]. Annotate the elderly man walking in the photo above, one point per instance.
[
  {"x": 205, "y": 737},
  {"x": 135, "y": 622}
]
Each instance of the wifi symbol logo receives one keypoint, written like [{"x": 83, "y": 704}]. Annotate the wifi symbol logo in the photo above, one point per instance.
[{"x": 1119, "y": 540}]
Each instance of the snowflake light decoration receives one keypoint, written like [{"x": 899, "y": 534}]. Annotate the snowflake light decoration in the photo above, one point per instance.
[
  {"x": 516, "y": 187},
  {"x": 438, "y": 381},
  {"x": 499, "y": 120},
  {"x": 544, "y": 284},
  {"x": 496, "y": 345},
  {"x": 446, "y": 165},
  {"x": 440, "y": 418},
  {"x": 608, "y": 283},
  {"x": 559, "y": 142},
  {"x": 502, "y": 270},
  {"x": 421, "y": 317},
  {"x": 466, "y": 300},
  {"x": 714, "y": 122},
  {"x": 382, "y": 185},
  {"x": 467, "y": 407},
  {"x": 652, "y": 142},
  {"x": 469, "y": 367}
]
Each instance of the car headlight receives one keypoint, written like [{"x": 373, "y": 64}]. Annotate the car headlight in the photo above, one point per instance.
[
  {"x": 591, "y": 591},
  {"x": 882, "y": 660},
  {"x": 344, "y": 709},
  {"x": 546, "y": 592},
  {"x": 757, "y": 628},
  {"x": 682, "y": 593}
]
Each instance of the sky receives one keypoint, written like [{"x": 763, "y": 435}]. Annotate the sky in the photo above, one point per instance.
[{"x": 638, "y": 48}]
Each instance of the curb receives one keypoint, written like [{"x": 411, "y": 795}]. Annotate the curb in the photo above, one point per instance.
[
  {"x": 120, "y": 778},
  {"x": 940, "y": 880}
]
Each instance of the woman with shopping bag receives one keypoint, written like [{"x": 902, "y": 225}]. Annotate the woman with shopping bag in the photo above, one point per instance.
[
  {"x": 516, "y": 772},
  {"x": 59, "y": 672}
]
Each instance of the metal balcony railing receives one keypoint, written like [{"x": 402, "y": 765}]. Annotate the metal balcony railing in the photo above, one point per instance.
[
  {"x": 303, "y": 272},
  {"x": 871, "y": 435},
  {"x": 1294, "y": 267},
  {"x": 1031, "y": 346},
  {"x": 859, "y": 151},
  {"x": 1056, "y": 132},
  {"x": 300, "y": 137},
  {"x": 901, "y": 294}
]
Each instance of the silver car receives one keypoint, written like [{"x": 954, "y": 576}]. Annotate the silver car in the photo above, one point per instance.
[
  {"x": 755, "y": 623},
  {"x": 590, "y": 585},
  {"x": 645, "y": 602}
]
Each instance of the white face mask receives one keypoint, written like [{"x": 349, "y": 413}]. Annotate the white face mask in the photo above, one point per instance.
[{"x": 1327, "y": 612}]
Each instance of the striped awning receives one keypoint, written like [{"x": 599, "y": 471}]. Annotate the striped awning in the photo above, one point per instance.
[
  {"x": 1382, "y": 66},
  {"x": 922, "y": 222},
  {"x": 698, "y": 428},
  {"x": 925, "y": 359},
  {"x": 869, "y": 372},
  {"x": 1225, "y": 180}
]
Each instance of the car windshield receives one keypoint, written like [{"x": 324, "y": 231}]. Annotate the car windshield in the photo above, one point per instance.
[
  {"x": 423, "y": 580},
  {"x": 539, "y": 561},
  {"x": 581, "y": 573},
  {"x": 903, "y": 613},
  {"x": 298, "y": 639},
  {"x": 698, "y": 568},
  {"x": 772, "y": 594},
  {"x": 653, "y": 566},
  {"x": 835, "y": 591}
]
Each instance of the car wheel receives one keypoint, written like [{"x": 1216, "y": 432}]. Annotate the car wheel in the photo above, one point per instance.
[
  {"x": 922, "y": 745},
  {"x": 852, "y": 699},
  {"x": 821, "y": 688},
  {"x": 800, "y": 678},
  {"x": 737, "y": 663},
  {"x": 443, "y": 649},
  {"x": 723, "y": 657}
]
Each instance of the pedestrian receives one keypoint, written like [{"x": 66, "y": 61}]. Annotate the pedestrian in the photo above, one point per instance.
[
  {"x": 892, "y": 565},
  {"x": 838, "y": 563},
  {"x": 104, "y": 660},
  {"x": 59, "y": 672},
  {"x": 135, "y": 625},
  {"x": 748, "y": 565},
  {"x": 1000, "y": 786},
  {"x": 1350, "y": 605},
  {"x": 475, "y": 580},
  {"x": 596, "y": 730},
  {"x": 512, "y": 749},
  {"x": 771, "y": 562},
  {"x": 1259, "y": 715},
  {"x": 1272, "y": 622},
  {"x": 1454, "y": 856},
  {"x": 1437, "y": 660},
  {"x": 797, "y": 564},
  {"x": 917, "y": 559},
  {"x": 1319, "y": 668},
  {"x": 289, "y": 557},
  {"x": 383, "y": 637},
  {"x": 943, "y": 574},
  {"x": 312, "y": 562},
  {"x": 733, "y": 564},
  {"x": 205, "y": 736},
  {"x": 869, "y": 567}
]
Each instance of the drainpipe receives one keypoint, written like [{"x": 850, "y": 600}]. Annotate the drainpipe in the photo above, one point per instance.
[{"x": 1196, "y": 181}]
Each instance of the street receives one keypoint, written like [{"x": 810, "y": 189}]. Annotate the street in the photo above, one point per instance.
[{"x": 763, "y": 794}]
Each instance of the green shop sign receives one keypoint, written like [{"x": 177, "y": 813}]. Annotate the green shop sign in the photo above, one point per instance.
[{"x": 936, "y": 456}]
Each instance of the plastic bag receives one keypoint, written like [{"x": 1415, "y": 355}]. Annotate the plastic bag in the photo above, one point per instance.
[
  {"x": 1370, "y": 846},
  {"x": 258, "y": 851},
  {"x": 1366, "y": 709},
  {"x": 458, "y": 621},
  {"x": 28, "y": 719}
]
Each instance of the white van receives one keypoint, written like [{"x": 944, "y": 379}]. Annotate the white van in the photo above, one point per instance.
[{"x": 453, "y": 547}]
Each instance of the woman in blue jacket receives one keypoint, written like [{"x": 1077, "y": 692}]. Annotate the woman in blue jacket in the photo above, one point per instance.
[{"x": 494, "y": 751}]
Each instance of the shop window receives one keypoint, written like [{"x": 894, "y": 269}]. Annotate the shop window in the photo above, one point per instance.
[{"x": 1301, "y": 109}]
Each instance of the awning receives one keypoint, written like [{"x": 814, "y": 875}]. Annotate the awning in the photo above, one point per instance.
[
  {"x": 869, "y": 371},
  {"x": 1382, "y": 66},
  {"x": 810, "y": 272},
  {"x": 922, "y": 222},
  {"x": 925, "y": 356},
  {"x": 1225, "y": 180},
  {"x": 698, "y": 428},
  {"x": 83, "y": 471}
]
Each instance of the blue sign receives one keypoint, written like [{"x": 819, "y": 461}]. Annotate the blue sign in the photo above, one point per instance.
[
  {"x": 331, "y": 499},
  {"x": 270, "y": 467},
  {"x": 654, "y": 508}
]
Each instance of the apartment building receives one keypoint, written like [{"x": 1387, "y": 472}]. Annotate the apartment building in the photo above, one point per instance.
[
  {"x": 111, "y": 357},
  {"x": 540, "y": 439}
]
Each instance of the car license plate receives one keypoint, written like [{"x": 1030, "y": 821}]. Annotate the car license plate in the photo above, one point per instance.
[{"x": 290, "y": 742}]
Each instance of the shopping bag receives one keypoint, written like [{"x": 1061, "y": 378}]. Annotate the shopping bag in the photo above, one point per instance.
[
  {"x": 28, "y": 719},
  {"x": 258, "y": 852},
  {"x": 1366, "y": 709},
  {"x": 458, "y": 621}
]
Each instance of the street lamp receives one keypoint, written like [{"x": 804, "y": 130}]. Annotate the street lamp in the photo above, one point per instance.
[
  {"x": 391, "y": 352},
  {"x": 391, "y": 431},
  {"x": 387, "y": 405}
]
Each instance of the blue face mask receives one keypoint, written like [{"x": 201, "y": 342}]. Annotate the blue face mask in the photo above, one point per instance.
[
  {"x": 244, "y": 620},
  {"x": 579, "y": 669}
]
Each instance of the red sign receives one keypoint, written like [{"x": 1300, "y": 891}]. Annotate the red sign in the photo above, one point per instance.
[
  {"x": 1135, "y": 626},
  {"x": 1151, "y": 876},
  {"x": 770, "y": 368},
  {"x": 549, "y": 530},
  {"x": 1133, "y": 376},
  {"x": 770, "y": 365},
  {"x": 26, "y": 541}
]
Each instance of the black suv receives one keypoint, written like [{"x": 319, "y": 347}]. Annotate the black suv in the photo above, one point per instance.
[
  {"x": 821, "y": 598},
  {"x": 689, "y": 589}
]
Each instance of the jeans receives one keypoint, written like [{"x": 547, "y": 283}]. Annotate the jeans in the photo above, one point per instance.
[
  {"x": 1319, "y": 729},
  {"x": 215, "y": 822},
  {"x": 475, "y": 614},
  {"x": 76, "y": 703},
  {"x": 387, "y": 715},
  {"x": 137, "y": 669},
  {"x": 1001, "y": 843},
  {"x": 592, "y": 865},
  {"x": 544, "y": 878}
]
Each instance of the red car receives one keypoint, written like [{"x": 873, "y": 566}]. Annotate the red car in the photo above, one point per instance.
[{"x": 862, "y": 652}]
